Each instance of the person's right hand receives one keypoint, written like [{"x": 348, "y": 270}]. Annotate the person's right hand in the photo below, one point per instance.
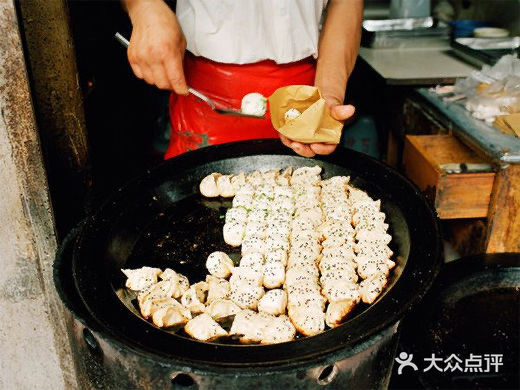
[{"x": 157, "y": 45}]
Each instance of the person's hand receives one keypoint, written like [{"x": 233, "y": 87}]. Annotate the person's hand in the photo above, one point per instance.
[
  {"x": 157, "y": 45},
  {"x": 337, "y": 111}
]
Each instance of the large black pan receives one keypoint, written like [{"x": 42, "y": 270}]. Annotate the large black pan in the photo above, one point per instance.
[{"x": 161, "y": 220}]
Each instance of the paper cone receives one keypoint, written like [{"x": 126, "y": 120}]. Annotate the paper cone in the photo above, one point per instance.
[{"x": 315, "y": 124}]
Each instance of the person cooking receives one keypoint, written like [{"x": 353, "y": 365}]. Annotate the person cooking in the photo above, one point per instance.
[{"x": 229, "y": 48}]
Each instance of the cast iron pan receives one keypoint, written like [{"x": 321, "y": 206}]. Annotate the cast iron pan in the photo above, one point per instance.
[{"x": 161, "y": 220}]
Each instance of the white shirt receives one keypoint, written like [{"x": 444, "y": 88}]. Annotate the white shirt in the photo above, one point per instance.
[{"x": 248, "y": 31}]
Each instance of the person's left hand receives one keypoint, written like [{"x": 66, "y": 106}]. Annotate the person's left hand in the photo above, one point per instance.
[{"x": 339, "y": 112}]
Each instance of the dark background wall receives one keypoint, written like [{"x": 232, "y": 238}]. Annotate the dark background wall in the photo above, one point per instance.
[{"x": 124, "y": 115}]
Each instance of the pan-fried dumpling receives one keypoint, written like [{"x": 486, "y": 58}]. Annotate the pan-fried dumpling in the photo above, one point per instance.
[
  {"x": 282, "y": 191},
  {"x": 234, "y": 233},
  {"x": 140, "y": 278},
  {"x": 225, "y": 188},
  {"x": 339, "y": 290},
  {"x": 368, "y": 218},
  {"x": 194, "y": 298},
  {"x": 284, "y": 178},
  {"x": 253, "y": 244},
  {"x": 273, "y": 302},
  {"x": 299, "y": 258},
  {"x": 217, "y": 288},
  {"x": 257, "y": 215},
  {"x": 302, "y": 274},
  {"x": 274, "y": 275},
  {"x": 151, "y": 305},
  {"x": 336, "y": 183},
  {"x": 371, "y": 288},
  {"x": 238, "y": 181},
  {"x": 283, "y": 204},
  {"x": 246, "y": 296},
  {"x": 373, "y": 226},
  {"x": 311, "y": 250},
  {"x": 307, "y": 297},
  {"x": 304, "y": 248},
  {"x": 180, "y": 281},
  {"x": 255, "y": 228},
  {"x": 280, "y": 231},
  {"x": 309, "y": 321},
  {"x": 208, "y": 186},
  {"x": 255, "y": 178},
  {"x": 245, "y": 190},
  {"x": 269, "y": 177},
  {"x": 276, "y": 256},
  {"x": 373, "y": 237},
  {"x": 291, "y": 113},
  {"x": 335, "y": 228},
  {"x": 222, "y": 308},
  {"x": 346, "y": 274},
  {"x": 298, "y": 225},
  {"x": 367, "y": 207},
  {"x": 344, "y": 251},
  {"x": 356, "y": 195},
  {"x": 373, "y": 268},
  {"x": 251, "y": 326},
  {"x": 162, "y": 289},
  {"x": 338, "y": 311},
  {"x": 274, "y": 243},
  {"x": 246, "y": 276},
  {"x": 243, "y": 200},
  {"x": 253, "y": 260},
  {"x": 333, "y": 263},
  {"x": 376, "y": 251},
  {"x": 279, "y": 330},
  {"x": 168, "y": 312},
  {"x": 312, "y": 214},
  {"x": 236, "y": 214},
  {"x": 261, "y": 203},
  {"x": 219, "y": 264},
  {"x": 246, "y": 325},
  {"x": 204, "y": 328},
  {"x": 306, "y": 176}
]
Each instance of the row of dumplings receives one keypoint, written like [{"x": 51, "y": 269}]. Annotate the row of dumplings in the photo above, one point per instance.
[
  {"x": 306, "y": 304},
  {"x": 167, "y": 298},
  {"x": 320, "y": 229}
]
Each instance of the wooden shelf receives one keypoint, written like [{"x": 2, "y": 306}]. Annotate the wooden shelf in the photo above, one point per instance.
[{"x": 455, "y": 195}]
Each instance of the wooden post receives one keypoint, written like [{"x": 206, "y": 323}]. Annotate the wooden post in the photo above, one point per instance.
[
  {"x": 58, "y": 105},
  {"x": 34, "y": 345},
  {"x": 504, "y": 212}
]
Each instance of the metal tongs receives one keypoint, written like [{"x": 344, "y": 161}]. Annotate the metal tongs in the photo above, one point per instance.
[{"x": 221, "y": 110}]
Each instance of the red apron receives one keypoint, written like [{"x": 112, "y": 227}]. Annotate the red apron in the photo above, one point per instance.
[{"x": 195, "y": 125}]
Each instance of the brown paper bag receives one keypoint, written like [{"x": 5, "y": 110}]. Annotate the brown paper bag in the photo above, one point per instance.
[{"x": 314, "y": 124}]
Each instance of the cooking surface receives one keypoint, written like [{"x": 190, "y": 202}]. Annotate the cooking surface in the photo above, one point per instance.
[
  {"x": 182, "y": 237},
  {"x": 160, "y": 220}
]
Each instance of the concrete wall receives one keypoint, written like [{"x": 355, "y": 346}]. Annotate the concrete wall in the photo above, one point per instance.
[{"x": 34, "y": 347}]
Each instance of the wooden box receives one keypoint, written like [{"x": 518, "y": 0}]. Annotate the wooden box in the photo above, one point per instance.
[{"x": 430, "y": 162}]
